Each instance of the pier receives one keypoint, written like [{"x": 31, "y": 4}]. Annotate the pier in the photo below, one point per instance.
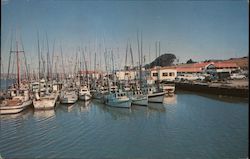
[{"x": 236, "y": 88}]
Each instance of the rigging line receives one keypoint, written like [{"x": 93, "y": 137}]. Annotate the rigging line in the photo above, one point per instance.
[
  {"x": 25, "y": 59},
  {"x": 9, "y": 57},
  {"x": 62, "y": 62}
]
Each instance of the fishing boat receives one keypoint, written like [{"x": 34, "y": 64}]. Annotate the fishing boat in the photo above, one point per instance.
[
  {"x": 138, "y": 98},
  {"x": 68, "y": 96},
  {"x": 155, "y": 96},
  {"x": 46, "y": 95},
  {"x": 19, "y": 97},
  {"x": 117, "y": 99},
  {"x": 84, "y": 93},
  {"x": 46, "y": 101},
  {"x": 99, "y": 93},
  {"x": 16, "y": 103},
  {"x": 168, "y": 88}
]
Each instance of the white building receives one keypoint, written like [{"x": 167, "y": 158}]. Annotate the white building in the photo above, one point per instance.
[
  {"x": 126, "y": 75},
  {"x": 163, "y": 74}
]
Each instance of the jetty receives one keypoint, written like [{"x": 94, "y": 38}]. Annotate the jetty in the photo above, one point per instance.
[{"x": 235, "y": 88}]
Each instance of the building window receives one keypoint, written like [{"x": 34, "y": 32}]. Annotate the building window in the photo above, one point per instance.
[
  {"x": 165, "y": 74},
  {"x": 171, "y": 74},
  {"x": 155, "y": 74}
]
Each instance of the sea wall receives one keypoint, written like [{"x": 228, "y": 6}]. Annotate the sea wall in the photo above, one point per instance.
[{"x": 213, "y": 89}]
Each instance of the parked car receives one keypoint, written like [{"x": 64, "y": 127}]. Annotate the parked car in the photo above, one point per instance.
[
  {"x": 237, "y": 76},
  {"x": 189, "y": 77}
]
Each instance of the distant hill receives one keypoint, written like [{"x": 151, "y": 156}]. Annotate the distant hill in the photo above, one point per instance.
[
  {"x": 243, "y": 62},
  {"x": 166, "y": 59}
]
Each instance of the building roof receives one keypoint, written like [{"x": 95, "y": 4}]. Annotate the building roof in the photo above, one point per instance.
[
  {"x": 189, "y": 69},
  {"x": 225, "y": 65},
  {"x": 89, "y": 72}
]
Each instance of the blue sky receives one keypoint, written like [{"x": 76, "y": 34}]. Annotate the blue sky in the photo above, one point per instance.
[{"x": 190, "y": 29}]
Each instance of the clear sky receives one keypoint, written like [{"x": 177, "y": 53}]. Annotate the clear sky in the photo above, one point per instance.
[{"x": 198, "y": 30}]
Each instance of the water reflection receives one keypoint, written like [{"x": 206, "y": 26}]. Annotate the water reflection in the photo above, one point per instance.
[
  {"x": 172, "y": 130},
  {"x": 25, "y": 114},
  {"x": 67, "y": 107},
  {"x": 172, "y": 100},
  {"x": 156, "y": 107},
  {"x": 227, "y": 99},
  {"x": 84, "y": 106},
  {"x": 39, "y": 114},
  {"x": 117, "y": 113}
]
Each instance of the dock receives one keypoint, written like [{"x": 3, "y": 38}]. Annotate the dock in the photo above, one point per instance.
[{"x": 235, "y": 88}]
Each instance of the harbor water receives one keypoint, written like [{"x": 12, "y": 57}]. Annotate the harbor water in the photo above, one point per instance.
[{"x": 187, "y": 125}]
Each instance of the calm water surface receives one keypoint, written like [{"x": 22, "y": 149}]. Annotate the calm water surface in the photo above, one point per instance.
[{"x": 187, "y": 126}]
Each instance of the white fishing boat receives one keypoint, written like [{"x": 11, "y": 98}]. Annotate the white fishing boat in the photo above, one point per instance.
[
  {"x": 117, "y": 99},
  {"x": 84, "y": 93},
  {"x": 155, "y": 96},
  {"x": 46, "y": 101},
  {"x": 138, "y": 98},
  {"x": 19, "y": 97},
  {"x": 100, "y": 93},
  {"x": 68, "y": 97},
  {"x": 16, "y": 104},
  {"x": 169, "y": 89}
]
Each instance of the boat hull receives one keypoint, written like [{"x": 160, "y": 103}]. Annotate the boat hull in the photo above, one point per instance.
[
  {"x": 85, "y": 97},
  {"x": 119, "y": 104},
  {"x": 140, "y": 101},
  {"x": 15, "y": 108},
  {"x": 44, "y": 104},
  {"x": 156, "y": 97},
  {"x": 68, "y": 101}
]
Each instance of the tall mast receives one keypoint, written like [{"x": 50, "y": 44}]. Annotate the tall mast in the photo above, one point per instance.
[
  {"x": 126, "y": 57},
  {"x": 25, "y": 60},
  {"x": 159, "y": 48},
  {"x": 47, "y": 58},
  {"x": 52, "y": 61},
  {"x": 95, "y": 67},
  {"x": 18, "y": 67},
  {"x": 141, "y": 64},
  {"x": 62, "y": 62},
  {"x": 39, "y": 61},
  {"x": 156, "y": 53},
  {"x": 9, "y": 60},
  {"x": 131, "y": 53}
]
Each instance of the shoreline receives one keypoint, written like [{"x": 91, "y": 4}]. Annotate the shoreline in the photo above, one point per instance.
[{"x": 225, "y": 89}]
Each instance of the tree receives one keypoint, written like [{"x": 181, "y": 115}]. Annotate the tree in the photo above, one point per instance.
[
  {"x": 190, "y": 61},
  {"x": 163, "y": 60}
]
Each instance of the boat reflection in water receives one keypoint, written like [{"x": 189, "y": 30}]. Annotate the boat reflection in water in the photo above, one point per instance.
[
  {"x": 170, "y": 100},
  {"x": 84, "y": 105},
  {"x": 22, "y": 115},
  {"x": 117, "y": 113},
  {"x": 156, "y": 107},
  {"x": 67, "y": 107},
  {"x": 40, "y": 114}
]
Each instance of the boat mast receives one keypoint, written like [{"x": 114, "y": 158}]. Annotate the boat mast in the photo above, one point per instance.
[
  {"x": 18, "y": 67},
  {"x": 39, "y": 62},
  {"x": 132, "y": 59},
  {"x": 9, "y": 60},
  {"x": 126, "y": 57},
  {"x": 63, "y": 63},
  {"x": 48, "y": 63},
  {"x": 140, "y": 61}
]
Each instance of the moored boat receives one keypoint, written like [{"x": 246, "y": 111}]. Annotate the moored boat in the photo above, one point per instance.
[
  {"x": 84, "y": 93},
  {"x": 117, "y": 99},
  {"x": 69, "y": 97},
  {"x": 16, "y": 104}
]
